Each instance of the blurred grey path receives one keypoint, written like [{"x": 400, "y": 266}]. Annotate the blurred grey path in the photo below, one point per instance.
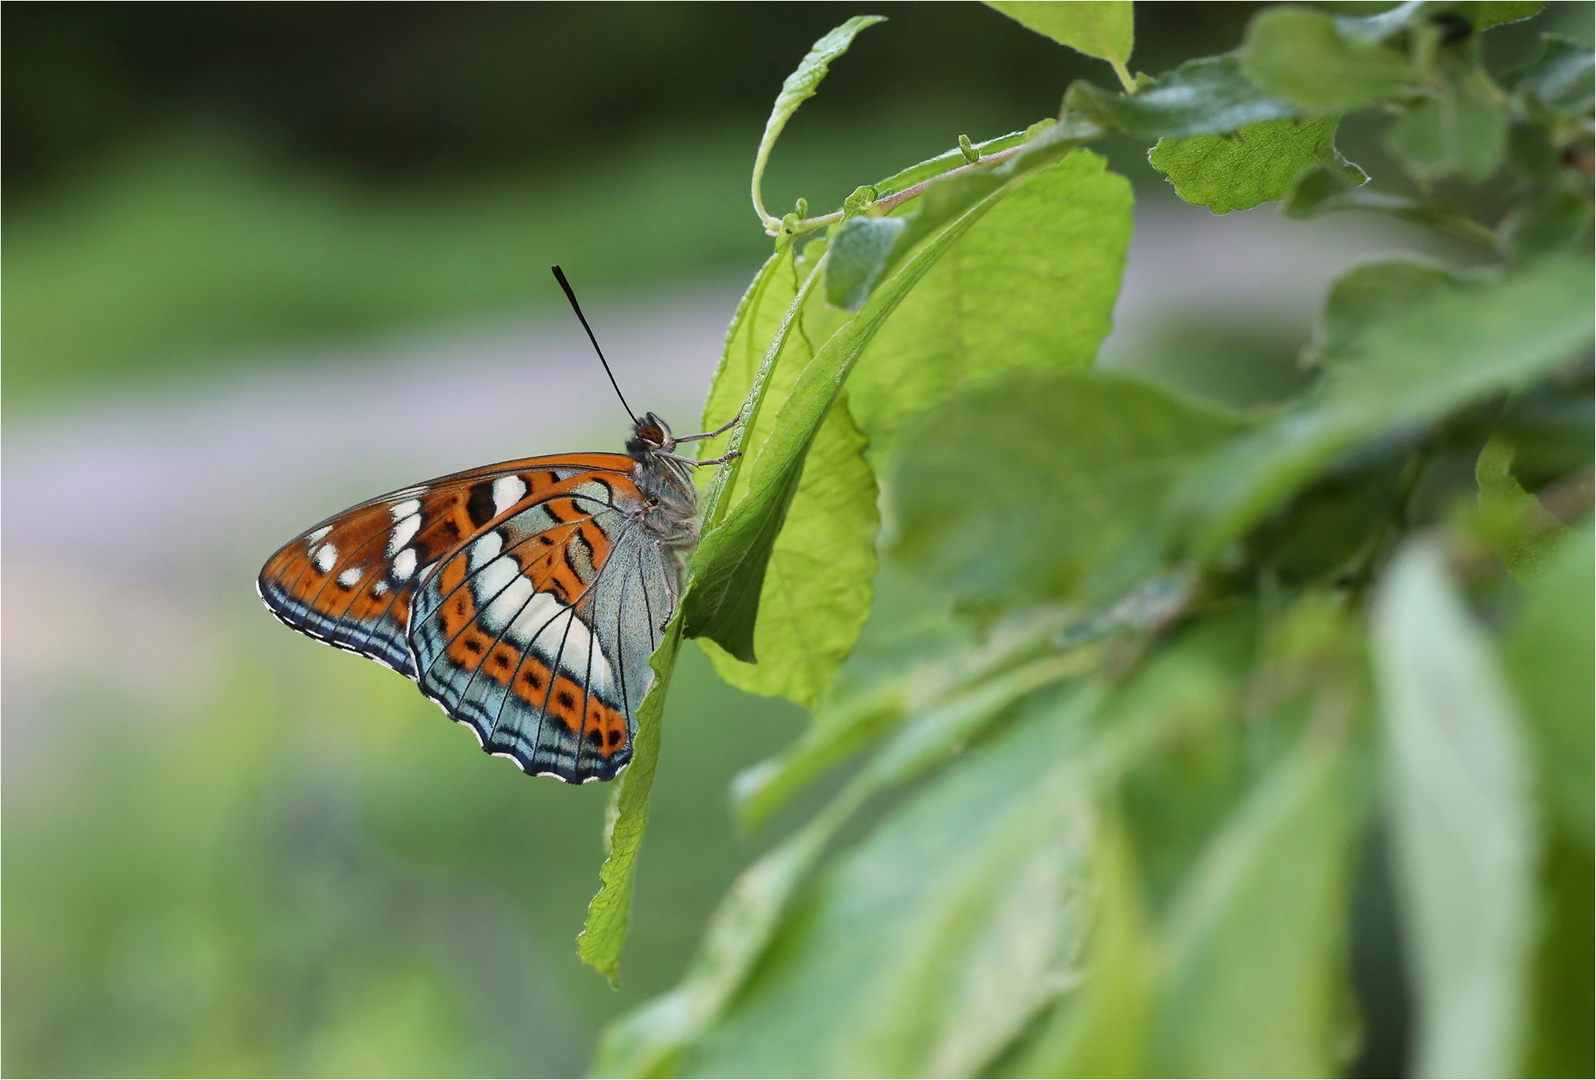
[
  {"x": 146, "y": 518},
  {"x": 143, "y": 521}
]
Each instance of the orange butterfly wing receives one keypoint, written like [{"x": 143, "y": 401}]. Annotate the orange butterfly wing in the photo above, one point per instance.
[{"x": 533, "y": 647}]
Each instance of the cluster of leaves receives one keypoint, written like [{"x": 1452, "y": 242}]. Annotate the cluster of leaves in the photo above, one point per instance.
[{"x": 1169, "y": 685}]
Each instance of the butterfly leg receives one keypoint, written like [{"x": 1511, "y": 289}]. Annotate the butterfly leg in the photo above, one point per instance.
[
  {"x": 727, "y": 426},
  {"x": 689, "y": 461}
]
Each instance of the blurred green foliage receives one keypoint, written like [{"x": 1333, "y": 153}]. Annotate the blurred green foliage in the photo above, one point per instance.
[
  {"x": 1096, "y": 788},
  {"x": 1231, "y": 736},
  {"x": 306, "y": 871}
]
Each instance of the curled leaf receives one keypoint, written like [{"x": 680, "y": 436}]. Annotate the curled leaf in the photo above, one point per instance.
[{"x": 799, "y": 88}]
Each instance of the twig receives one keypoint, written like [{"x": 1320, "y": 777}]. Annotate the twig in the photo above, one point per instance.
[
  {"x": 1125, "y": 79},
  {"x": 898, "y": 198}
]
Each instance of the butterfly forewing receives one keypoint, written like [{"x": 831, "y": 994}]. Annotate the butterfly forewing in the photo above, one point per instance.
[
  {"x": 522, "y": 597},
  {"x": 337, "y": 582}
]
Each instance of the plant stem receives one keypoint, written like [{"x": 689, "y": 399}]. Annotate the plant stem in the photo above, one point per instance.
[
  {"x": 898, "y": 198},
  {"x": 1125, "y": 79}
]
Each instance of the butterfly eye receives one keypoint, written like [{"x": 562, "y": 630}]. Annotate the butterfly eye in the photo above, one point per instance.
[{"x": 651, "y": 433}]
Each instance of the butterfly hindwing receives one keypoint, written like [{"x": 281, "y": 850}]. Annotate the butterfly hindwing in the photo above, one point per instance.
[
  {"x": 517, "y": 633},
  {"x": 630, "y": 605}
]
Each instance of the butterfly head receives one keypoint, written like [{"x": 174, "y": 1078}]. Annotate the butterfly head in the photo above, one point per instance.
[{"x": 649, "y": 436}]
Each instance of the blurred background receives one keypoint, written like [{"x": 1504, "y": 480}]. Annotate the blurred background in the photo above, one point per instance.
[{"x": 264, "y": 260}]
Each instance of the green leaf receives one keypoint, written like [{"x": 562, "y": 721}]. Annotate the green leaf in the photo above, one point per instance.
[
  {"x": 859, "y": 253},
  {"x": 1552, "y": 96},
  {"x": 1458, "y": 130},
  {"x": 816, "y": 594},
  {"x": 1549, "y": 222},
  {"x": 1254, "y": 165},
  {"x": 817, "y": 589},
  {"x": 1322, "y": 191},
  {"x": 1547, "y": 651},
  {"x": 749, "y": 336},
  {"x": 1512, "y": 521},
  {"x": 943, "y": 730},
  {"x": 1103, "y": 1029},
  {"x": 1255, "y": 940},
  {"x": 1561, "y": 81},
  {"x": 1102, "y": 29},
  {"x": 994, "y": 948},
  {"x": 1463, "y": 345},
  {"x": 1086, "y": 461},
  {"x": 1561, "y": 1040},
  {"x": 1369, "y": 294},
  {"x": 1488, "y": 13},
  {"x": 799, "y": 88},
  {"x": 599, "y": 943},
  {"x": 924, "y": 949},
  {"x": 1464, "y": 840},
  {"x": 937, "y": 687},
  {"x": 1064, "y": 232},
  {"x": 1208, "y": 96},
  {"x": 649, "y": 1041},
  {"x": 1168, "y": 701},
  {"x": 733, "y": 557},
  {"x": 1301, "y": 56},
  {"x": 1406, "y": 16},
  {"x": 836, "y": 732}
]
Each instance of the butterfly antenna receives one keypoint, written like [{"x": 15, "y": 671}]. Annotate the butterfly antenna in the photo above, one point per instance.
[{"x": 570, "y": 294}]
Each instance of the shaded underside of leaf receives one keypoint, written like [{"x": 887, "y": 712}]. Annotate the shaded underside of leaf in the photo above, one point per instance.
[
  {"x": 1548, "y": 653},
  {"x": 1302, "y": 56},
  {"x": 1460, "y": 129},
  {"x": 1101, "y": 28},
  {"x": 742, "y": 927},
  {"x": 1256, "y": 938},
  {"x": 1030, "y": 288},
  {"x": 931, "y": 882},
  {"x": 1370, "y": 294},
  {"x": 1208, "y": 96},
  {"x": 936, "y": 688},
  {"x": 1464, "y": 840},
  {"x": 859, "y": 253},
  {"x": 1044, "y": 486},
  {"x": 817, "y": 591},
  {"x": 1457, "y": 347},
  {"x": 1103, "y": 1029},
  {"x": 1254, "y": 165}
]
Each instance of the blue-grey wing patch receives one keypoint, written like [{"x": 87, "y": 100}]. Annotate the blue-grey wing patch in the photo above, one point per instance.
[{"x": 628, "y": 606}]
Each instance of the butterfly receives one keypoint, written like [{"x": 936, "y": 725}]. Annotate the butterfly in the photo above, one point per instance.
[{"x": 525, "y": 598}]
